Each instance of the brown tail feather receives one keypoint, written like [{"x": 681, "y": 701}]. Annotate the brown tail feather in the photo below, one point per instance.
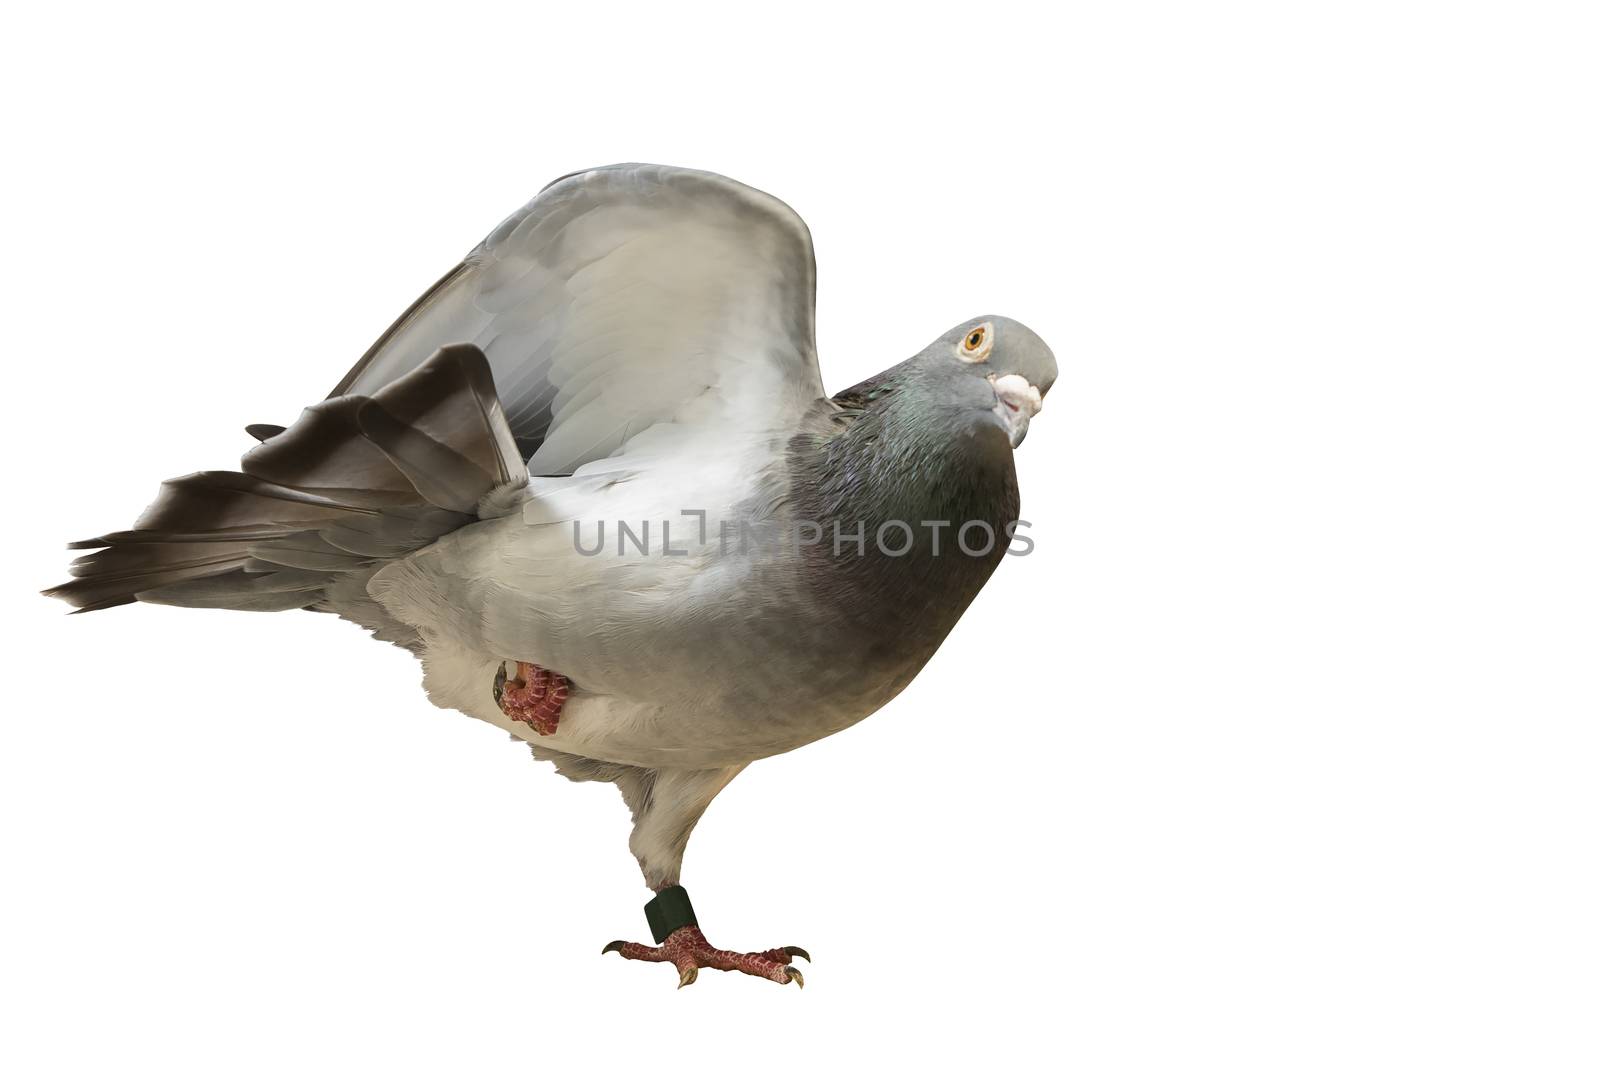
[{"x": 355, "y": 481}]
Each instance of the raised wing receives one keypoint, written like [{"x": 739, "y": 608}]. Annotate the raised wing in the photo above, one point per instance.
[{"x": 621, "y": 298}]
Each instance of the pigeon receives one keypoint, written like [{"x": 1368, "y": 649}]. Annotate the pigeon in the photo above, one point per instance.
[{"x": 592, "y": 481}]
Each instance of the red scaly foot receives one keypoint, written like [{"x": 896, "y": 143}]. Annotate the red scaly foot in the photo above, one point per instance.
[
  {"x": 533, "y": 696},
  {"x": 687, "y": 949}
]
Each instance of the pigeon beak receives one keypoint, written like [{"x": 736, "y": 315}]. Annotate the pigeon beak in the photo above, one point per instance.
[{"x": 1016, "y": 401}]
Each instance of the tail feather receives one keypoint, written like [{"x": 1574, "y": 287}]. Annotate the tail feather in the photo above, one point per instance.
[
  {"x": 442, "y": 477},
  {"x": 353, "y": 483},
  {"x": 130, "y": 561},
  {"x": 175, "y": 537},
  {"x": 325, "y": 453},
  {"x": 92, "y": 594}
]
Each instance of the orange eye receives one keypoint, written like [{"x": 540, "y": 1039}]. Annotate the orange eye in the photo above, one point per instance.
[{"x": 976, "y": 343}]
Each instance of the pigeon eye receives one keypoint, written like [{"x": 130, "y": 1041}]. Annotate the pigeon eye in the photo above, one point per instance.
[{"x": 976, "y": 344}]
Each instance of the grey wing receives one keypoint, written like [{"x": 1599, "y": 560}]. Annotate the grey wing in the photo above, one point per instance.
[{"x": 624, "y": 297}]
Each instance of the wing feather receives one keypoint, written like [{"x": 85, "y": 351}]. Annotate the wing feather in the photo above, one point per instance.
[{"x": 621, "y": 298}]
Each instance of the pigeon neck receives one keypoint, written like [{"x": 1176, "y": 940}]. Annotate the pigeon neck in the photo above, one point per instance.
[{"x": 910, "y": 476}]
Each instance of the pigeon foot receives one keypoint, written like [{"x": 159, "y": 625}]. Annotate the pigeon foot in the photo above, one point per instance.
[
  {"x": 687, "y": 949},
  {"x": 533, "y": 696}
]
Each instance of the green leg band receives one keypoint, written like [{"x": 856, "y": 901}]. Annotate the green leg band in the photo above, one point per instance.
[{"x": 669, "y": 911}]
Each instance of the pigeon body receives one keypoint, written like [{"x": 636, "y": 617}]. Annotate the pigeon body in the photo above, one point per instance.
[{"x": 599, "y": 452}]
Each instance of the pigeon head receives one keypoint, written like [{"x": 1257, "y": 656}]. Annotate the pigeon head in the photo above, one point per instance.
[{"x": 995, "y": 368}]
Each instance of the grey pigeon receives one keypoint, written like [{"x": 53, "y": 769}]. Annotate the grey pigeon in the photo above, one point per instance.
[{"x": 592, "y": 481}]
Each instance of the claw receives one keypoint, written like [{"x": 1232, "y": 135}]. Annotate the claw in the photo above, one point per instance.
[
  {"x": 500, "y": 687},
  {"x": 687, "y": 949}
]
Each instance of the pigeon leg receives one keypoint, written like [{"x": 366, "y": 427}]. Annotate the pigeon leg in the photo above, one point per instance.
[
  {"x": 688, "y": 950},
  {"x": 673, "y": 924},
  {"x": 666, "y": 805},
  {"x": 533, "y": 696}
]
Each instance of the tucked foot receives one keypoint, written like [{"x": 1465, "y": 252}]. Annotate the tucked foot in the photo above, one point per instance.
[
  {"x": 687, "y": 949},
  {"x": 533, "y": 696}
]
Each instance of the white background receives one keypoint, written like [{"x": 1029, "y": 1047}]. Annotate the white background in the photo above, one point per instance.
[{"x": 1280, "y": 749}]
